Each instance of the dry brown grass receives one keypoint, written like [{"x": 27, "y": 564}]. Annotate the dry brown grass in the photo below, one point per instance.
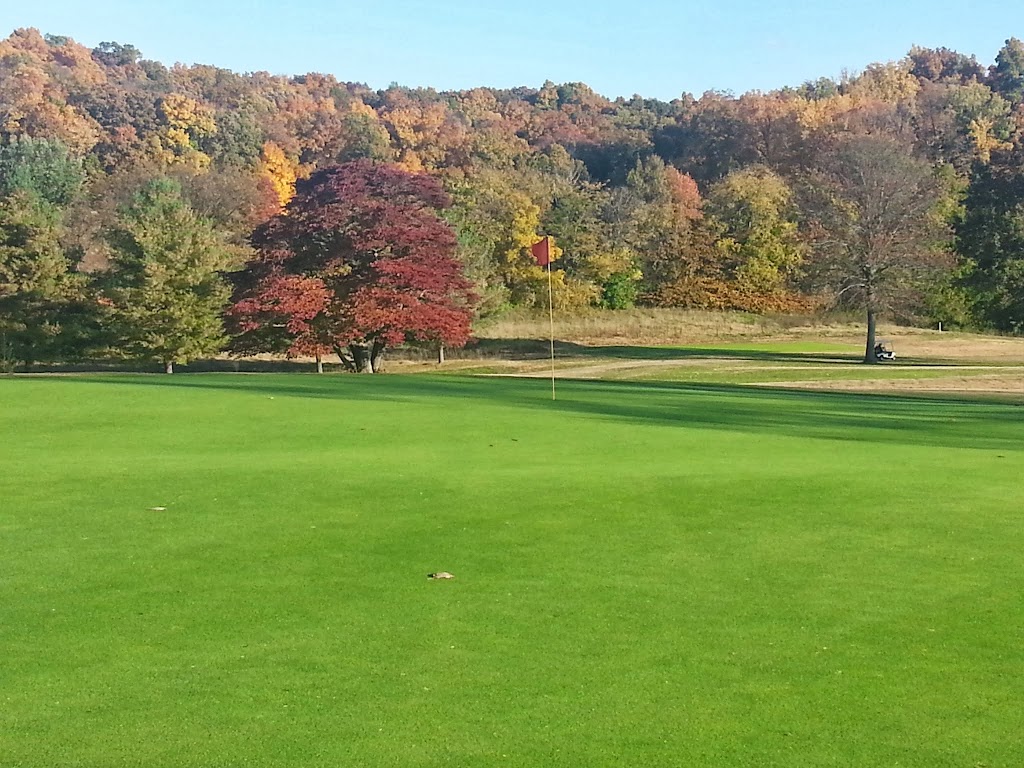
[
  {"x": 996, "y": 384},
  {"x": 640, "y": 327},
  {"x": 666, "y": 327},
  {"x": 947, "y": 362},
  {"x": 928, "y": 361}
]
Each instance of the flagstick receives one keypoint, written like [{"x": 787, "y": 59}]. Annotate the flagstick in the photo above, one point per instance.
[{"x": 551, "y": 318}]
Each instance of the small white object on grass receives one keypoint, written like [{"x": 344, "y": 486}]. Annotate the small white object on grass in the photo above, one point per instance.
[
  {"x": 440, "y": 575},
  {"x": 158, "y": 509}
]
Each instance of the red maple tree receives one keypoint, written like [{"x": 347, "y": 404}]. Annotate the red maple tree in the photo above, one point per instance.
[{"x": 358, "y": 262}]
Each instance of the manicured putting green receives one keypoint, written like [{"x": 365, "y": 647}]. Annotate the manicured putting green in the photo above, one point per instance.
[{"x": 645, "y": 575}]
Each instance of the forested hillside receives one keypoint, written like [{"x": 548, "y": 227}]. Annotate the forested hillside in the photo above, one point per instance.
[{"x": 901, "y": 186}]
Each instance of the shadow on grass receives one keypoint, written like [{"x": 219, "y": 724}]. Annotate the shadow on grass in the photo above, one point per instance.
[
  {"x": 490, "y": 349},
  {"x": 244, "y": 365},
  {"x": 947, "y": 422},
  {"x": 539, "y": 348}
]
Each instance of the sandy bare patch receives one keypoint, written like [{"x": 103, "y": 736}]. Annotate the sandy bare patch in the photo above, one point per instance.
[
  {"x": 981, "y": 349},
  {"x": 980, "y": 384}
]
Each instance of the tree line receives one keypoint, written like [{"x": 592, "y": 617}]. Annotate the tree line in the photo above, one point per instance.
[{"x": 168, "y": 213}]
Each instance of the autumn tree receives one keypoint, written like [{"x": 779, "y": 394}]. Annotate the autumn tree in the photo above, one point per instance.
[
  {"x": 873, "y": 218},
  {"x": 364, "y": 136},
  {"x": 760, "y": 242},
  {"x": 772, "y": 127},
  {"x": 944, "y": 65},
  {"x": 959, "y": 124},
  {"x": 706, "y": 138},
  {"x": 282, "y": 172},
  {"x": 34, "y": 80},
  {"x": 116, "y": 55},
  {"x": 235, "y": 201},
  {"x": 238, "y": 140},
  {"x": 477, "y": 234},
  {"x": 660, "y": 216},
  {"x": 497, "y": 217},
  {"x": 360, "y": 261},
  {"x": 165, "y": 279},
  {"x": 596, "y": 269},
  {"x": 892, "y": 82},
  {"x": 633, "y": 189},
  {"x": 185, "y": 125},
  {"x": 283, "y": 314}
]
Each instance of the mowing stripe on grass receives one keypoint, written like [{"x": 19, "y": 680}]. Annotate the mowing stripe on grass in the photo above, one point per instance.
[{"x": 646, "y": 574}]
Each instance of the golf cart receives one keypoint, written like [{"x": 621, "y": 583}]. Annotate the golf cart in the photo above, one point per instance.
[{"x": 884, "y": 351}]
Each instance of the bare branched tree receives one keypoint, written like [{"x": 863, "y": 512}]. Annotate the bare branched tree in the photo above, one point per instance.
[{"x": 875, "y": 226}]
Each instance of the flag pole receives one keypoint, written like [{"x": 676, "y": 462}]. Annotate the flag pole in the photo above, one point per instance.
[{"x": 551, "y": 319}]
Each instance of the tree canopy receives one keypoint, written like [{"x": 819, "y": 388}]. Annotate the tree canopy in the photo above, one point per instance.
[
  {"x": 359, "y": 261},
  {"x": 699, "y": 202},
  {"x": 164, "y": 284},
  {"x": 876, "y": 227}
]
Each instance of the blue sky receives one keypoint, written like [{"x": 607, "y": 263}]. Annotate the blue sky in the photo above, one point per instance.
[{"x": 655, "y": 48}]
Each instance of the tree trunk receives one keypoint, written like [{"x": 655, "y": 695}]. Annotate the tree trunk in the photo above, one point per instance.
[
  {"x": 440, "y": 354},
  {"x": 360, "y": 358},
  {"x": 169, "y": 367},
  {"x": 346, "y": 359},
  {"x": 377, "y": 357},
  {"x": 319, "y": 363},
  {"x": 869, "y": 350},
  {"x": 6, "y": 363}
]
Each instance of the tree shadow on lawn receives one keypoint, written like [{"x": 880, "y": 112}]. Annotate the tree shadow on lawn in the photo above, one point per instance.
[
  {"x": 487, "y": 349},
  {"x": 540, "y": 348},
  {"x": 906, "y": 420}
]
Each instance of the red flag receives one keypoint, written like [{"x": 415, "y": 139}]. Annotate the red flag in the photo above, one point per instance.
[{"x": 542, "y": 252}]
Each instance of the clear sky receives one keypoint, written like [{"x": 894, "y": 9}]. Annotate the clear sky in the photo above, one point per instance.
[{"x": 657, "y": 48}]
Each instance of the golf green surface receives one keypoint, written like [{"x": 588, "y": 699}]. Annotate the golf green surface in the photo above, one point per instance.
[{"x": 646, "y": 574}]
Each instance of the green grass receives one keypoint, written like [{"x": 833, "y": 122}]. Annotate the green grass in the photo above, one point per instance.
[
  {"x": 648, "y": 574},
  {"x": 788, "y": 372}
]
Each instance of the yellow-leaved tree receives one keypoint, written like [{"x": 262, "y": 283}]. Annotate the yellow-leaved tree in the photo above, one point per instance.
[
  {"x": 761, "y": 243},
  {"x": 281, "y": 170},
  {"x": 186, "y": 123}
]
